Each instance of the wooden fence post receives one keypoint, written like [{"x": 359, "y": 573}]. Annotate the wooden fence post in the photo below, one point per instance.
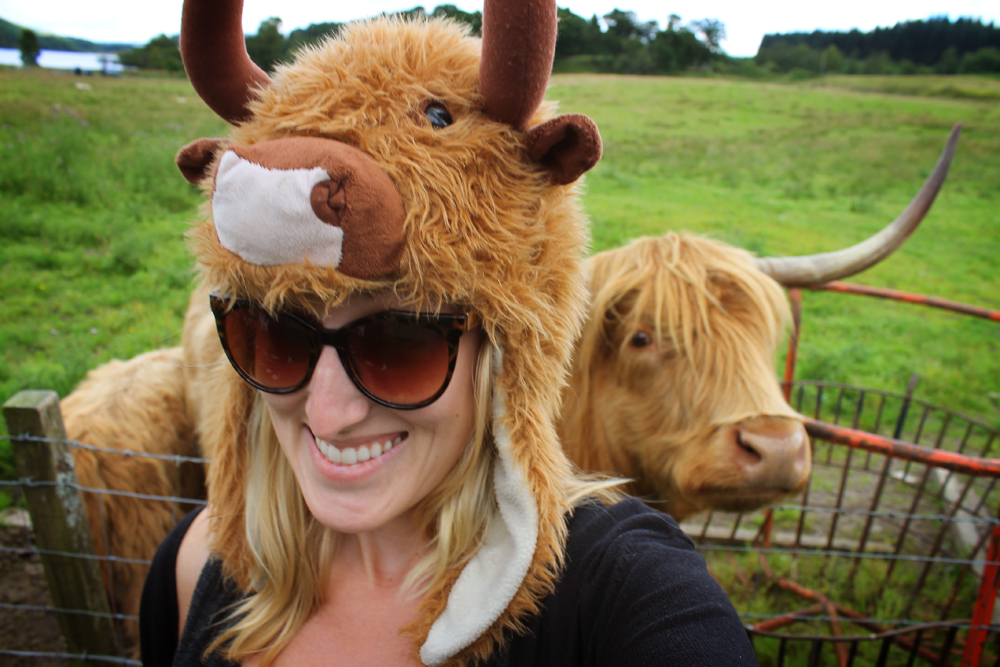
[{"x": 60, "y": 522}]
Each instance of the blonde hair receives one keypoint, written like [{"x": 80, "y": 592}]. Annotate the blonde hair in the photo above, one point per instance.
[{"x": 292, "y": 551}]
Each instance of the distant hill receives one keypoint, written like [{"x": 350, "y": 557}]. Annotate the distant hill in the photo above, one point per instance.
[{"x": 10, "y": 34}]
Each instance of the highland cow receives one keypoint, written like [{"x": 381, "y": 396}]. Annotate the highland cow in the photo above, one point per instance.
[{"x": 673, "y": 382}]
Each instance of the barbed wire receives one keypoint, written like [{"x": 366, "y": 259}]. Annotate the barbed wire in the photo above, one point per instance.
[
  {"x": 911, "y": 625},
  {"x": 82, "y": 657},
  {"x": 806, "y": 551},
  {"x": 885, "y": 514},
  {"x": 176, "y": 458},
  {"x": 74, "y": 554},
  {"x": 58, "y": 610},
  {"x": 62, "y": 483}
]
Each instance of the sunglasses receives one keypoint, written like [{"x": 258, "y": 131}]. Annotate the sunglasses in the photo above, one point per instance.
[{"x": 398, "y": 359}]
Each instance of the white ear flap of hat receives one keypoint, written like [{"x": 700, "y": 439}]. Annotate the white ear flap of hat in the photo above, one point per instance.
[
  {"x": 490, "y": 580},
  {"x": 265, "y": 215}
]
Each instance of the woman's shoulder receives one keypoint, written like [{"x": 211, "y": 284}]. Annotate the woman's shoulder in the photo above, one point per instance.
[
  {"x": 184, "y": 589},
  {"x": 593, "y": 510},
  {"x": 628, "y": 544},
  {"x": 633, "y": 590},
  {"x": 159, "y": 607},
  {"x": 192, "y": 555},
  {"x": 628, "y": 519}
]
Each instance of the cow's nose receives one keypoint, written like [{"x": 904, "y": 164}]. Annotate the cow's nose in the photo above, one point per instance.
[{"x": 773, "y": 453}]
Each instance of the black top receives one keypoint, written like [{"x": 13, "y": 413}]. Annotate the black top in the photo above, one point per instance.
[{"x": 634, "y": 592}]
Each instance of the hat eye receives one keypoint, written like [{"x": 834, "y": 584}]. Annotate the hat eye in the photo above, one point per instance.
[{"x": 438, "y": 115}]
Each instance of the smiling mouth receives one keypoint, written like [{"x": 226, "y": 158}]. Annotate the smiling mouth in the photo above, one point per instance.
[{"x": 349, "y": 456}]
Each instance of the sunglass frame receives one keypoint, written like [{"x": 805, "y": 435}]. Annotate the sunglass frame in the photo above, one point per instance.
[{"x": 450, "y": 325}]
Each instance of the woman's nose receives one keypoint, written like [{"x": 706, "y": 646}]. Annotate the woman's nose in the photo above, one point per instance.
[{"x": 334, "y": 403}]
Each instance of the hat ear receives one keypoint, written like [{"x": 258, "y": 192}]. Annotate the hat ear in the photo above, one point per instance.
[
  {"x": 194, "y": 159},
  {"x": 566, "y": 146}
]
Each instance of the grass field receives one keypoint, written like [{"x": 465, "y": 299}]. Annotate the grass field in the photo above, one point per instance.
[{"x": 93, "y": 212}]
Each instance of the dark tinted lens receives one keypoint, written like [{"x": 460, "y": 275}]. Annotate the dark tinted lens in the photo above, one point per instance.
[
  {"x": 275, "y": 353},
  {"x": 399, "y": 362}
]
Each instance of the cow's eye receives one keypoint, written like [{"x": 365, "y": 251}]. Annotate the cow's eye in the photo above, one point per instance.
[
  {"x": 438, "y": 115},
  {"x": 641, "y": 339}
]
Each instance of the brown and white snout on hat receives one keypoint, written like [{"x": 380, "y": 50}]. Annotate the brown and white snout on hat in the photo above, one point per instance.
[{"x": 302, "y": 198}]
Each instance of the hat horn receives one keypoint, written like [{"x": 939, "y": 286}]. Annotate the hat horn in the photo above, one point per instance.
[
  {"x": 519, "y": 45},
  {"x": 215, "y": 57}
]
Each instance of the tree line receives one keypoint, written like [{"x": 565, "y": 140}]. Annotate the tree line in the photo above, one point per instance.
[
  {"x": 621, "y": 43},
  {"x": 628, "y": 46},
  {"x": 936, "y": 45}
]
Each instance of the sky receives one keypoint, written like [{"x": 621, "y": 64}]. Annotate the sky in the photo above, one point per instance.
[{"x": 746, "y": 22}]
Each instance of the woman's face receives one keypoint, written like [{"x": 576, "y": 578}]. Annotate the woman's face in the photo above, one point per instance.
[{"x": 419, "y": 447}]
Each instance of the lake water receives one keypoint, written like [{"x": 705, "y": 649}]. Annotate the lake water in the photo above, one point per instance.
[{"x": 65, "y": 60}]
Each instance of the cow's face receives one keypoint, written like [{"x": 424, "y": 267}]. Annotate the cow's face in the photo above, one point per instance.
[{"x": 675, "y": 381}]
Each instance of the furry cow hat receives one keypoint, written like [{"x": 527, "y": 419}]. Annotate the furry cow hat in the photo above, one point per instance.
[{"x": 415, "y": 159}]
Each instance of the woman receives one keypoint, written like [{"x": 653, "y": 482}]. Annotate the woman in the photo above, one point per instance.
[{"x": 395, "y": 254}]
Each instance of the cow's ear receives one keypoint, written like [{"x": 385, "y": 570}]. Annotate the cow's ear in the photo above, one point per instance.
[
  {"x": 194, "y": 159},
  {"x": 566, "y": 146}
]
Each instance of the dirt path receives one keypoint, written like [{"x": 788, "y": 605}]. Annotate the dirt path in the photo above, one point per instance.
[{"x": 22, "y": 582}]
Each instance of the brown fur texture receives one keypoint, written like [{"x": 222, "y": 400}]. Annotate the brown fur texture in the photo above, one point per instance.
[
  {"x": 137, "y": 405},
  {"x": 673, "y": 382},
  {"x": 485, "y": 226}
]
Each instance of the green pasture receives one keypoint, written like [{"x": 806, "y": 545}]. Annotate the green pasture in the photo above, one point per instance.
[
  {"x": 93, "y": 212},
  {"x": 92, "y": 216}
]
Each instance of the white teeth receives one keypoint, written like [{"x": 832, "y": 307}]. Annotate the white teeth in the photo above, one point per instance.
[
  {"x": 349, "y": 456},
  {"x": 329, "y": 451}
]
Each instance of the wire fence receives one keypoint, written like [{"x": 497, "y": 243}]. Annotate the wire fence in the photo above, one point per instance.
[
  {"x": 124, "y": 524},
  {"x": 882, "y": 558},
  {"x": 889, "y": 556}
]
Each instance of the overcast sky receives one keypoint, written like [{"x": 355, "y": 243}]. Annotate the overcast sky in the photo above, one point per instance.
[{"x": 746, "y": 22}]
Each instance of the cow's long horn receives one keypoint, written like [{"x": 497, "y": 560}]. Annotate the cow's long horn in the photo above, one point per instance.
[
  {"x": 215, "y": 57},
  {"x": 815, "y": 269},
  {"x": 519, "y": 45}
]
